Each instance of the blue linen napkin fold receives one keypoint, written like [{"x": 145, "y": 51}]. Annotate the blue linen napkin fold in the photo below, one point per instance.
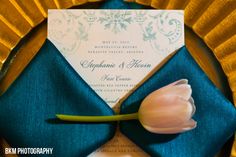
[
  {"x": 215, "y": 115},
  {"x": 49, "y": 85}
]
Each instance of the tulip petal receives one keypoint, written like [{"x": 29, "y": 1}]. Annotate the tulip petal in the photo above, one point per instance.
[
  {"x": 181, "y": 81},
  {"x": 191, "y": 100},
  {"x": 193, "y": 105},
  {"x": 183, "y": 90},
  {"x": 189, "y": 125},
  {"x": 165, "y": 111}
]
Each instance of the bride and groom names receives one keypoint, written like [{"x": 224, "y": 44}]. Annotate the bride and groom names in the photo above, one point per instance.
[
  {"x": 103, "y": 64},
  {"x": 92, "y": 65}
]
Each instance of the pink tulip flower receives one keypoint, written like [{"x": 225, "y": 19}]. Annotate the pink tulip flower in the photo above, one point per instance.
[{"x": 169, "y": 109}]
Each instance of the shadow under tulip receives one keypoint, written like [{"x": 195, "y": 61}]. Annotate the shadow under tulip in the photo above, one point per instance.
[
  {"x": 148, "y": 137},
  {"x": 58, "y": 121}
]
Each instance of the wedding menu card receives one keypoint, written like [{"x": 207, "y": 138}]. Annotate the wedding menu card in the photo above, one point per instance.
[{"x": 114, "y": 51}]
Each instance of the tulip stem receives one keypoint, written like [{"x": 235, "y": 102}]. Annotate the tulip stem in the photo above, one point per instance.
[{"x": 73, "y": 118}]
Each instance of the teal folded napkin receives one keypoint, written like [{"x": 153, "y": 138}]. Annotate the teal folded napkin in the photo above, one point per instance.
[
  {"x": 49, "y": 85},
  {"x": 215, "y": 115}
]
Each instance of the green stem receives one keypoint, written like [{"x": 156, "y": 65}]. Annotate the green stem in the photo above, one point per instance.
[{"x": 71, "y": 118}]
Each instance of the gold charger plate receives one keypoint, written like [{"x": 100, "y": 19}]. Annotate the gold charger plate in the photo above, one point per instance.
[{"x": 210, "y": 36}]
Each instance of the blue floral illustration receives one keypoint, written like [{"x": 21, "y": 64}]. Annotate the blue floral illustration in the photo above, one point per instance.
[
  {"x": 116, "y": 21},
  {"x": 149, "y": 34},
  {"x": 168, "y": 26},
  {"x": 90, "y": 17},
  {"x": 140, "y": 16}
]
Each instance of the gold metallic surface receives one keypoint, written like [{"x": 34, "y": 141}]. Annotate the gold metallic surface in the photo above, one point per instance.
[
  {"x": 174, "y": 4},
  {"x": 13, "y": 19},
  {"x": 161, "y": 4},
  {"x": 4, "y": 54},
  {"x": 214, "y": 14},
  {"x": 8, "y": 37},
  {"x": 29, "y": 11},
  {"x": 24, "y": 55},
  {"x": 194, "y": 9},
  {"x": 63, "y": 4},
  {"x": 44, "y": 5},
  {"x": 214, "y": 21},
  {"x": 222, "y": 31}
]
